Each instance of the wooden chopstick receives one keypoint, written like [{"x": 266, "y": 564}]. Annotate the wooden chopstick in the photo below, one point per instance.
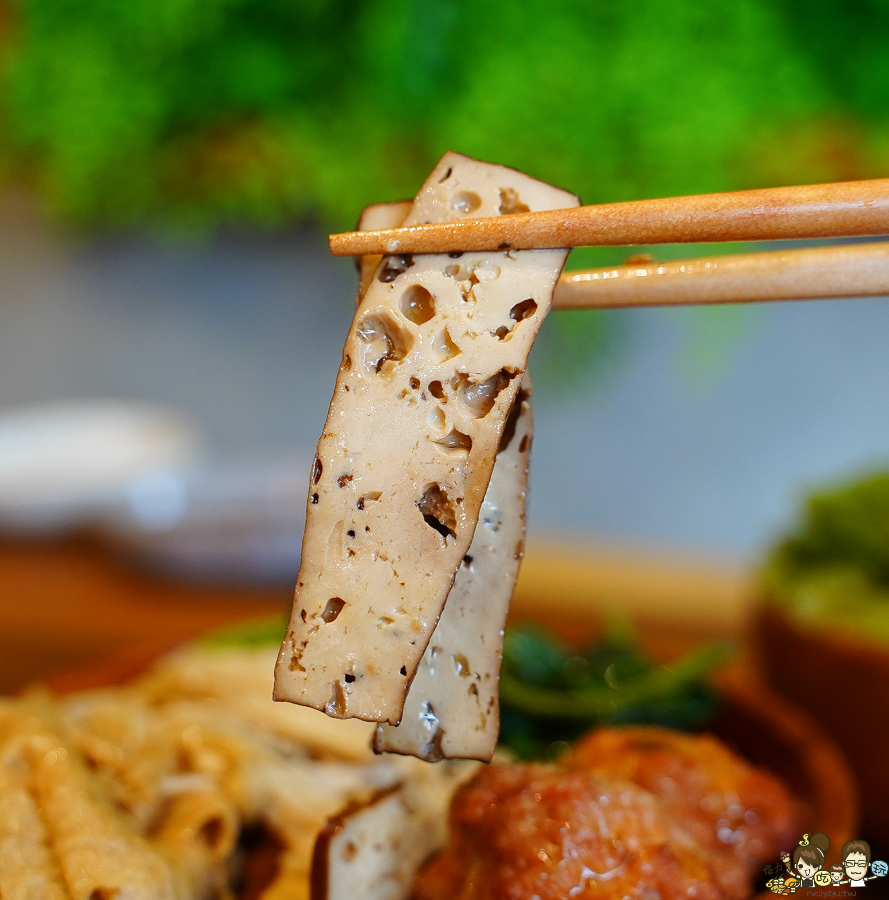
[
  {"x": 849, "y": 270},
  {"x": 841, "y": 209}
]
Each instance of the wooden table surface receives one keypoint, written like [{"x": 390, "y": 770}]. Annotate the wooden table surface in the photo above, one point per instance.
[
  {"x": 67, "y": 604},
  {"x": 70, "y": 603}
]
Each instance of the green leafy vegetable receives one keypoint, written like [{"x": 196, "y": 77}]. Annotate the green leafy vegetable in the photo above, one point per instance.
[
  {"x": 846, "y": 526},
  {"x": 832, "y": 570},
  {"x": 550, "y": 694},
  {"x": 245, "y": 635}
]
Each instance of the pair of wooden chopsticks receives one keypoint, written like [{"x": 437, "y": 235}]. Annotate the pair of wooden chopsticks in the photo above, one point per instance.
[{"x": 843, "y": 209}]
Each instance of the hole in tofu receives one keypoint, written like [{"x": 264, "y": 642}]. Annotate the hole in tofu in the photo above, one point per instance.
[
  {"x": 393, "y": 266},
  {"x": 465, "y": 202},
  {"x": 315, "y": 498},
  {"x": 461, "y": 665},
  {"x": 349, "y": 678},
  {"x": 317, "y": 469},
  {"x": 436, "y": 418},
  {"x": 336, "y": 706},
  {"x": 512, "y": 420},
  {"x": 455, "y": 443},
  {"x": 493, "y": 519},
  {"x": 403, "y": 671},
  {"x": 427, "y": 714},
  {"x": 510, "y": 202},
  {"x": 452, "y": 271},
  {"x": 332, "y": 609},
  {"x": 480, "y": 397},
  {"x": 437, "y": 510},
  {"x": 344, "y": 479},
  {"x": 371, "y": 495},
  {"x": 467, "y": 288},
  {"x": 417, "y": 305},
  {"x": 523, "y": 310},
  {"x": 347, "y": 363},
  {"x": 437, "y": 390},
  {"x": 414, "y": 383},
  {"x": 383, "y": 340},
  {"x": 432, "y": 752},
  {"x": 486, "y": 271},
  {"x": 443, "y": 347}
]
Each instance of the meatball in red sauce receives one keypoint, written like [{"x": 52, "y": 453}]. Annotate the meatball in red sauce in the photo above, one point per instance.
[
  {"x": 739, "y": 815},
  {"x": 520, "y": 832},
  {"x": 631, "y": 813}
]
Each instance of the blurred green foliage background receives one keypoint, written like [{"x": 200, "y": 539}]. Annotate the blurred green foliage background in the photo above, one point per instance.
[
  {"x": 188, "y": 114},
  {"x": 181, "y": 116}
]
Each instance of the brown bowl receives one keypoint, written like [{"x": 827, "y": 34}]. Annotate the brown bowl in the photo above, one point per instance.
[
  {"x": 769, "y": 732},
  {"x": 827, "y": 674}
]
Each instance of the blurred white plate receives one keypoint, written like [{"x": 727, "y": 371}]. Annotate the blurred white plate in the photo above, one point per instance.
[
  {"x": 63, "y": 464},
  {"x": 230, "y": 522}
]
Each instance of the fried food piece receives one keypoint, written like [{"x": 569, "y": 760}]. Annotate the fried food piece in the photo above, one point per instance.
[
  {"x": 740, "y": 815},
  {"x": 537, "y": 831}
]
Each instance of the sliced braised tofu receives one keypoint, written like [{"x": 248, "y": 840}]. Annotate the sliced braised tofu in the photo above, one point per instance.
[
  {"x": 367, "y": 851},
  {"x": 430, "y": 370},
  {"x": 452, "y": 709},
  {"x": 374, "y": 849}
]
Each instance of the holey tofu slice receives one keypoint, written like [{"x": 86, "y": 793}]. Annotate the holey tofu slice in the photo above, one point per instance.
[
  {"x": 374, "y": 849},
  {"x": 431, "y": 367},
  {"x": 452, "y": 709}
]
